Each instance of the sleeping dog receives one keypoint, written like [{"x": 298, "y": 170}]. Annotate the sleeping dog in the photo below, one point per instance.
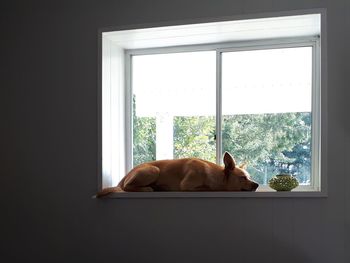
[{"x": 187, "y": 174}]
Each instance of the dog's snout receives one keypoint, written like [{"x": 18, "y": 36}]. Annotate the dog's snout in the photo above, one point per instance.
[{"x": 255, "y": 185}]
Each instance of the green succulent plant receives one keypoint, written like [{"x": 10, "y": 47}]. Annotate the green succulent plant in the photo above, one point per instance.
[{"x": 283, "y": 182}]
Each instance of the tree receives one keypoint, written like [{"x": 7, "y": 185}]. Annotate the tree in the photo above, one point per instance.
[
  {"x": 195, "y": 137},
  {"x": 268, "y": 142},
  {"x": 301, "y": 154},
  {"x": 144, "y": 138}
]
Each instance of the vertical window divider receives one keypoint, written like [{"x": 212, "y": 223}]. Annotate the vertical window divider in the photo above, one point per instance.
[
  {"x": 316, "y": 118},
  {"x": 128, "y": 113},
  {"x": 218, "y": 129}
]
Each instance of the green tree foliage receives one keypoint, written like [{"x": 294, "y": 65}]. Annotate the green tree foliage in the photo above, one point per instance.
[
  {"x": 144, "y": 138},
  {"x": 300, "y": 154},
  {"x": 270, "y": 143},
  {"x": 194, "y": 137}
]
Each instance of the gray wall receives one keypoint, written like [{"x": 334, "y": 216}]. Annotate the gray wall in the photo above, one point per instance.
[{"x": 48, "y": 171}]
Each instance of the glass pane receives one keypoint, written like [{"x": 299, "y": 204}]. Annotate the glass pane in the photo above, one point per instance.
[
  {"x": 266, "y": 97},
  {"x": 173, "y": 106}
]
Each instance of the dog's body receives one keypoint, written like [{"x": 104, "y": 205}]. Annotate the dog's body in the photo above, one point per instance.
[{"x": 188, "y": 174}]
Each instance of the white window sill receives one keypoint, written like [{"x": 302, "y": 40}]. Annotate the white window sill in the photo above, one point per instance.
[{"x": 257, "y": 194}]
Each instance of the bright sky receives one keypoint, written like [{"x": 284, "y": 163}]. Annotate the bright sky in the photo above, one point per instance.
[{"x": 253, "y": 82}]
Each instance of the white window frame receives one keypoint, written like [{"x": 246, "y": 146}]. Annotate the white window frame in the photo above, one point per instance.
[{"x": 125, "y": 109}]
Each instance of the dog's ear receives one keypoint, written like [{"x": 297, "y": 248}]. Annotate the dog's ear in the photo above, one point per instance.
[{"x": 229, "y": 162}]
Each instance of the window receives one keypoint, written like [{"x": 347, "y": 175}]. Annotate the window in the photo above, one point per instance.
[
  {"x": 174, "y": 106},
  {"x": 170, "y": 93}
]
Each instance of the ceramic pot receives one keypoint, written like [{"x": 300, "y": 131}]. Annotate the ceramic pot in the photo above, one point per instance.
[{"x": 283, "y": 182}]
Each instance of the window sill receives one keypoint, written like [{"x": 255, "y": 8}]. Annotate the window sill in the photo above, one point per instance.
[{"x": 258, "y": 194}]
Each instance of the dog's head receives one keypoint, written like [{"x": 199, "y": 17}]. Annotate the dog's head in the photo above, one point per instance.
[{"x": 237, "y": 178}]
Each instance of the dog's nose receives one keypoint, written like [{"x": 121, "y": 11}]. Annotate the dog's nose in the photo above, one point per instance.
[{"x": 255, "y": 185}]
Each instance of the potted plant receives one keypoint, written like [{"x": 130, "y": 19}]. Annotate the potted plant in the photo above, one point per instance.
[{"x": 283, "y": 182}]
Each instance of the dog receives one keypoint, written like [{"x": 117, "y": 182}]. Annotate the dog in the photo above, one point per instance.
[{"x": 187, "y": 174}]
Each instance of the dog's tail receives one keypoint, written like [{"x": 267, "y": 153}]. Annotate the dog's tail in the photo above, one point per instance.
[{"x": 107, "y": 191}]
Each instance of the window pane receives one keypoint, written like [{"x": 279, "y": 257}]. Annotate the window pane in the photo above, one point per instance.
[
  {"x": 266, "y": 97},
  {"x": 173, "y": 106}
]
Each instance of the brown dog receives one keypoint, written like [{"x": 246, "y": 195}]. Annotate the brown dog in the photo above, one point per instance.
[{"x": 188, "y": 174}]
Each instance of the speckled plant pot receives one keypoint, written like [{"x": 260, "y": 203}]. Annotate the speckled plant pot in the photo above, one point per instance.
[{"x": 283, "y": 182}]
